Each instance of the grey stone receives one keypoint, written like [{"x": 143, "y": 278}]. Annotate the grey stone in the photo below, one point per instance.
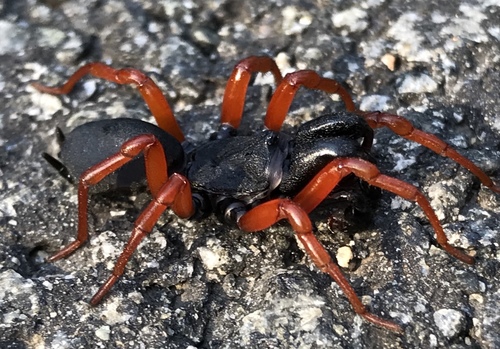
[{"x": 205, "y": 285}]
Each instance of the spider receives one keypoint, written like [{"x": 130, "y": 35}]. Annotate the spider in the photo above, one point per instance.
[{"x": 251, "y": 181}]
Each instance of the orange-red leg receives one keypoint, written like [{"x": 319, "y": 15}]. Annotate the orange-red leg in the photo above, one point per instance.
[
  {"x": 323, "y": 183},
  {"x": 282, "y": 98},
  {"x": 174, "y": 191},
  {"x": 156, "y": 173},
  {"x": 236, "y": 88},
  {"x": 268, "y": 213},
  {"x": 405, "y": 129},
  {"x": 149, "y": 90}
]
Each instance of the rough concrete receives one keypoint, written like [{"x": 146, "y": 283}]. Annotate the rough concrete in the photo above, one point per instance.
[{"x": 204, "y": 285}]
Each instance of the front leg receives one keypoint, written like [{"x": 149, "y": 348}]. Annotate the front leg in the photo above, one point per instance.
[
  {"x": 237, "y": 85},
  {"x": 286, "y": 90},
  {"x": 404, "y": 128},
  {"x": 328, "y": 178}
]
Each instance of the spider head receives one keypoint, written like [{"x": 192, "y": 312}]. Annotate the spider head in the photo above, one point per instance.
[{"x": 321, "y": 140}]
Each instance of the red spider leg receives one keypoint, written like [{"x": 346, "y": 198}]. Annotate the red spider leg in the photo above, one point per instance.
[
  {"x": 265, "y": 215},
  {"x": 282, "y": 98},
  {"x": 324, "y": 182},
  {"x": 236, "y": 88},
  {"x": 405, "y": 129},
  {"x": 150, "y": 92},
  {"x": 156, "y": 173},
  {"x": 174, "y": 191}
]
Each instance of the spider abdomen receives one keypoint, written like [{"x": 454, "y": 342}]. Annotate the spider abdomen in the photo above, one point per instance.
[{"x": 91, "y": 143}]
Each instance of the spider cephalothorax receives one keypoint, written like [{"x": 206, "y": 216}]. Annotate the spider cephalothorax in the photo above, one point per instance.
[{"x": 249, "y": 181}]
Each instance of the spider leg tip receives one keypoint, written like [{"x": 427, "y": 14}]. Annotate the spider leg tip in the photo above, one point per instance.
[
  {"x": 45, "y": 89},
  {"x": 391, "y": 326},
  {"x": 55, "y": 257},
  {"x": 37, "y": 86},
  {"x": 464, "y": 257},
  {"x": 95, "y": 300},
  {"x": 386, "y": 324}
]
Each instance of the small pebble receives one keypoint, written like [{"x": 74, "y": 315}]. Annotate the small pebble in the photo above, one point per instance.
[
  {"x": 344, "y": 256},
  {"x": 449, "y": 321}
]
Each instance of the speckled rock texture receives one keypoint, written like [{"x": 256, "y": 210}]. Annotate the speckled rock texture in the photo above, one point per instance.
[{"x": 202, "y": 284}]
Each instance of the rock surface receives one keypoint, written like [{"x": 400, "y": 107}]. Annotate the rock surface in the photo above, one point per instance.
[{"x": 202, "y": 284}]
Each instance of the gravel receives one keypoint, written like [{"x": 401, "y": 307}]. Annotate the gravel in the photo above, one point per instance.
[{"x": 205, "y": 285}]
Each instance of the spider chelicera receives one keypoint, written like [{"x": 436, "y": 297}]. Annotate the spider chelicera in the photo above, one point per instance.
[{"x": 252, "y": 181}]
